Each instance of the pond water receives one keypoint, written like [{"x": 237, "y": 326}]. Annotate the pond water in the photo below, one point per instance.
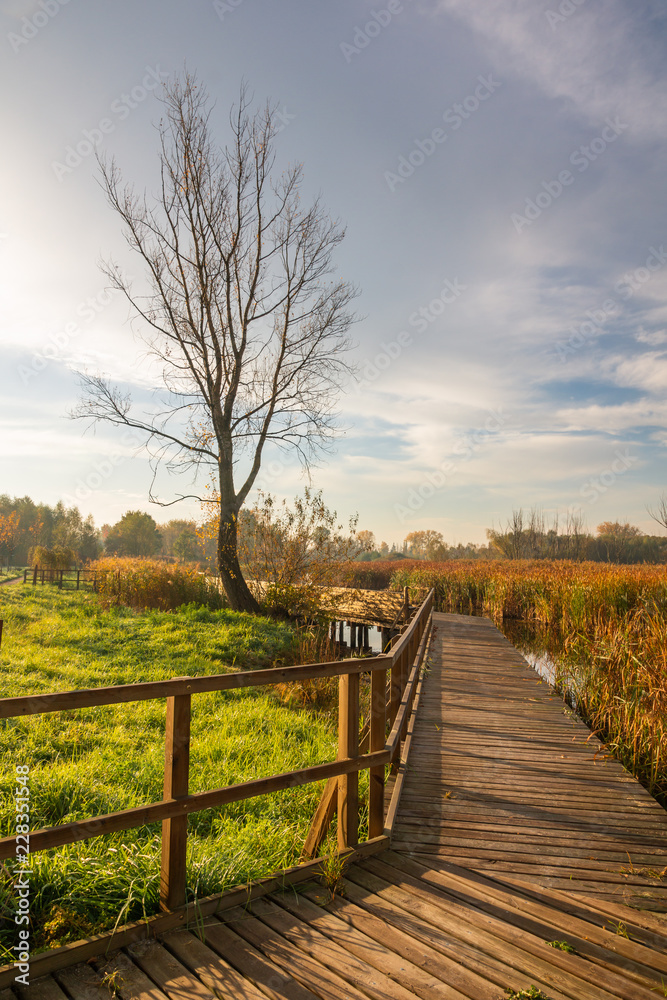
[{"x": 541, "y": 645}]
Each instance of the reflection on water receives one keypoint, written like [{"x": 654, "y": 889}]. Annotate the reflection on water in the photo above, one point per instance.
[
  {"x": 374, "y": 638},
  {"x": 542, "y": 646}
]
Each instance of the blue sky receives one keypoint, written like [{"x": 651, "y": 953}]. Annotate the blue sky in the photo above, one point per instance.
[{"x": 500, "y": 167}]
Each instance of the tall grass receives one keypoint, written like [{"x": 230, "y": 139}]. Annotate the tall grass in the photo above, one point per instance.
[
  {"x": 99, "y": 760},
  {"x": 564, "y": 593},
  {"x": 148, "y": 583},
  {"x": 615, "y": 673}
]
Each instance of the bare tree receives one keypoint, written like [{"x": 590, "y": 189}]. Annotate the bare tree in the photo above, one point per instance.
[
  {"x": 660, "y": 514},
  {"x": 250, "y": 332}
]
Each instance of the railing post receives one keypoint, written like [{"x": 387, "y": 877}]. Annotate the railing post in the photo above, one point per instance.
[
  {"x": 376, "y": 742},
  {"x": 176, "y": 781},
  {"x": 408, "y": 660},
  {"x": 348, "y": 746}
]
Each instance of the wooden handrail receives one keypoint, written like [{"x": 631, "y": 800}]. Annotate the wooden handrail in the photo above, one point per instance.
[
  {"x": 404, "y": 660},
  {"x": 39, "y": 704}
]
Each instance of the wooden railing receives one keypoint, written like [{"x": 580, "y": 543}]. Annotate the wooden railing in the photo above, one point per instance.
[
  {"x": 44, "y": 574},
  {"x": 394, "y": 678}
]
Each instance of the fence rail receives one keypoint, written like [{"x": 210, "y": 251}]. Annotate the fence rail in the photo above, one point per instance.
[
  {"x": 45, "y": 574},
  {"x": 394, "y": 677}
]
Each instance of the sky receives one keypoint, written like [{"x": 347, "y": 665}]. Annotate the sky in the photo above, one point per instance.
[{"x": 500, "y": 168}]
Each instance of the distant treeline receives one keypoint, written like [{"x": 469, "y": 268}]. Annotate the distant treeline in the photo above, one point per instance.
[
  {"x": 60, "y": 536},
  {"x": 527, "y": 536}
]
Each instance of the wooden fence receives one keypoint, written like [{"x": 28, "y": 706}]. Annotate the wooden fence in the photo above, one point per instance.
[
  {"x": 394, "y": 679},
  {"x": 60, "y": 577}
]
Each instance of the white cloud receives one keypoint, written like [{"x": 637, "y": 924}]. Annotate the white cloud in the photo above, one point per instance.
[{"x": 588, "y": 59}]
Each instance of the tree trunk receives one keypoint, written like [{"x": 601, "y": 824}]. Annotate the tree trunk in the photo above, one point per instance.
[{"x": 238, "y": 594}]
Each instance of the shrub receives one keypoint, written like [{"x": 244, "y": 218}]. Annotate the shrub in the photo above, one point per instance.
[
  {"x": 55, "y": 558},
  {"x": 145, "y": 583}
]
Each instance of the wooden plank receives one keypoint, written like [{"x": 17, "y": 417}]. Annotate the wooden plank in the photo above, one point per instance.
[
  {"x": 252, "y": 964},
  {"x": 303, "y": 934},
  {"x": 126, "y": 979},
  {"x": 401, "y": 773},
  {"x": 348, "y": 747},
  {"x": 460, "y": 963},
  {"x": 82, "y": 982},
  {"x": 378, "y": 945},
  {"x": 266, "y": 967},
  {"x": 195, "y": 970},
  {"x": 43, "y": 988},
  {"x": 522, "y": 951},
  {"x": 582, "y": 925},
  {"x": 173, "y": 874},
  {"x": 80, "y": 951},
  {"x": 322, "y": 818}
]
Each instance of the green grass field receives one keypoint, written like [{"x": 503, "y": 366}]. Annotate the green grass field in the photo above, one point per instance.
[{"x": 100, "y": 760}]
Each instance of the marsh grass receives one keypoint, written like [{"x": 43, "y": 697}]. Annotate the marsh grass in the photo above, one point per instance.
[
  {"x": 563, "y": 593},
  {"x": 149, "y": 583},
  {"x": 99, "y": 760}
]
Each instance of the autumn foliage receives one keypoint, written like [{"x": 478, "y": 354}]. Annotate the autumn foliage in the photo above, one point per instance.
[{"x": 144, "y": 583}]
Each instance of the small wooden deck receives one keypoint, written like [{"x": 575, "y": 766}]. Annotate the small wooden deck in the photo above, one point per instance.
[{"x": 513, "y": 831}]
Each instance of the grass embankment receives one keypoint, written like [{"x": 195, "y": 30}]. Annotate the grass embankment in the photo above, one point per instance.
[
  {"x": 100, "y": 760},
  {"x": 604, "y": 625}
]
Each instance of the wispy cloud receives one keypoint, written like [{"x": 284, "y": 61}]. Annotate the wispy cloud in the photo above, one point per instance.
[{"x": 590, "y": 60}]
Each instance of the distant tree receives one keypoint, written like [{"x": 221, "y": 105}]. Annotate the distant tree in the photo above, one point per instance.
[
  {"x": 659, "y": 513},
  {"x": 136, "y": 534},
  {"x": 58, "y": 557},
  {"x": 427, "y": 544},
  {"x": 366, "y": 540},
  {"x": 383, "y": 550},
  {"x": 10, "y": 533},
  {"x": 187, "y": 546},
  {"x": 171, "y": 531},
  {"x": 617, "y": 539}
]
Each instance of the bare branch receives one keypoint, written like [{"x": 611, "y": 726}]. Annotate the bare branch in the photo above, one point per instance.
[{"x": 240, "y": 311}]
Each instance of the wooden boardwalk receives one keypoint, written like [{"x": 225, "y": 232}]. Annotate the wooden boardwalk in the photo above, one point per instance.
[{"x": 514, "y": 830}]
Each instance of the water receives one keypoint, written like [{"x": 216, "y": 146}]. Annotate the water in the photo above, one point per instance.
[
  {"x": 540, "y": 645},
  {"x": 374, "y": 637}
]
